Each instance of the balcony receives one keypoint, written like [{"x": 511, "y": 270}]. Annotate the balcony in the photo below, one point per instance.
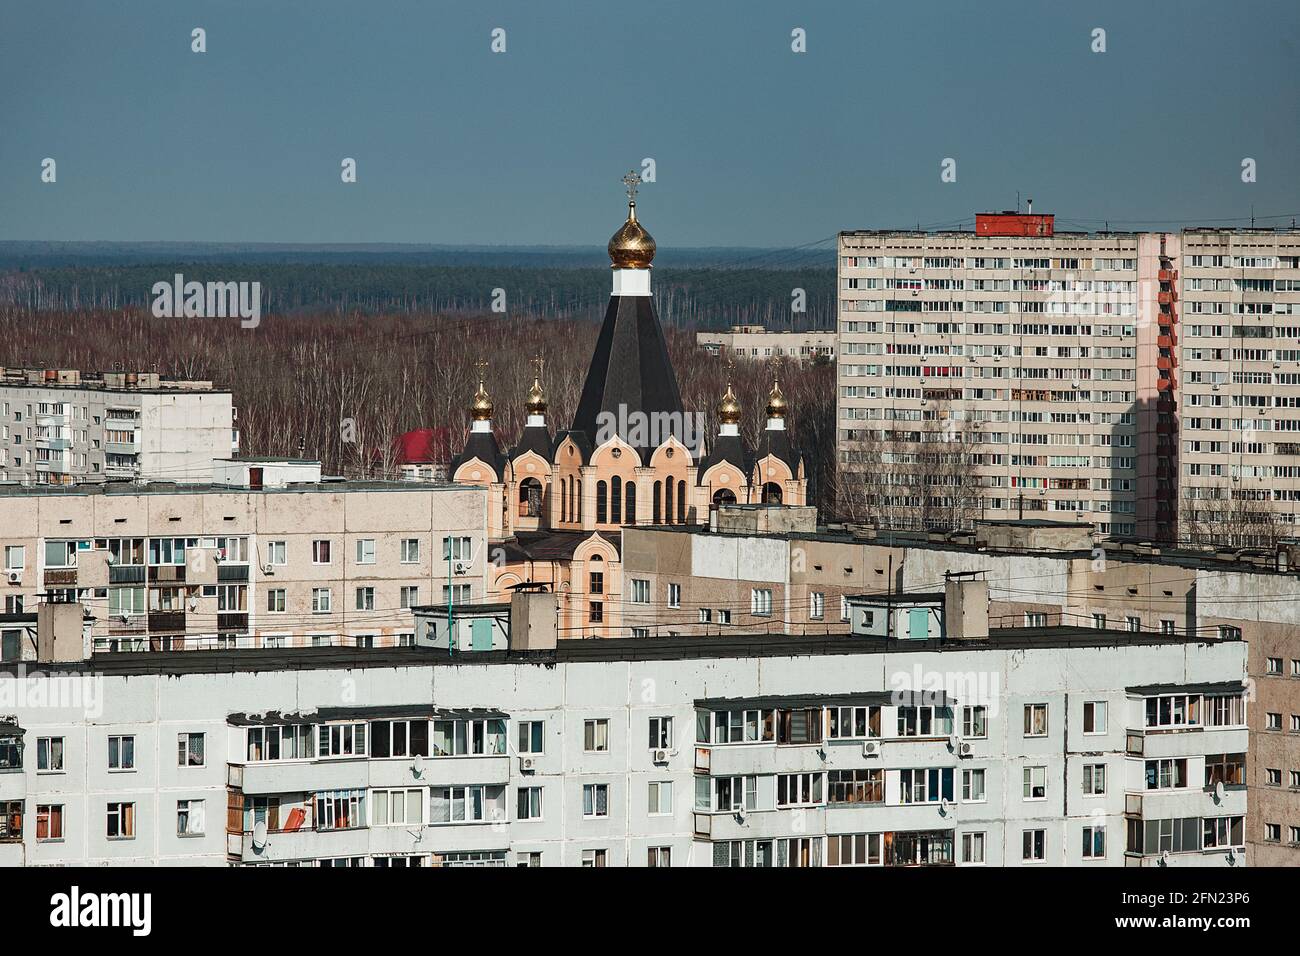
[
  {"x": 161, "y": 622},
  {"x": 1165, "y": 298},
  {"x": 60, "y": 577},
  {"x": 167, "y": 573},
  {"x": 126, "y": 574},
  {"x": 232, "y": 622}
]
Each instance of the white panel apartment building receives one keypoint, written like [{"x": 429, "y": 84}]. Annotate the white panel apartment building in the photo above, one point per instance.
[
  {"x": 1019, "y": 372},
  {"x": 1095, "y": 749},
  {"x": 58, "y": 426},
  {"x": 163, "y": 566}
]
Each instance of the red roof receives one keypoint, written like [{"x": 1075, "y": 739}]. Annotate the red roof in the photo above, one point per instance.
[{"x": 423, "y": 446}]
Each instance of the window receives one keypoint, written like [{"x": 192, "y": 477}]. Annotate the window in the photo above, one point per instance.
[
  {"x": 529, "y": 803},
  {"x": 340, "y": 809},
  {"x": 659, "y": 856},
  {"x": 595, "y": 736},
  {"x": 365, "y": 550},
  {"x": 410, "y": 550},
  {"x": 816, "y": 605},
  {"x": 925, "y": 786},
  {"x": 1094, "y": 843},
  {"x": 594, "y": 858},
  {"x": 189, "y": 750},
  {"x": 760, "y": 601},
  {"x": 660, "y": 799},
  {"x": 397, "y": 808},
  {"x": 189, "y": 818},
  {"x": 121, "y": 821},
  {"x": 640, "y": 591},
  {"x": 855, "y": 786},
  {"x": 734, "y": 726},
  {"x": 595, "y": 800},
  {"x": 1035, "y": 783},
  {"x": 661, "y": 733},
  {"x": 341, "y": 740},
  {"x": 854, "y": 723},
  {"x": 924, "y": 721},
  {"x": 320, "y": 551},
  {"x": 409, "y": 596},
  {"x": 1275, "y": 665},
  {"x": 972, "y": 847},
  {"x": 802, "y": 725},
  {"x": 1174, "y": 710},
  {"x": 595, "y": 612},
  {"x": 853, "y": 849},
  {"x": 276, "y": 552},
  {"x": 15, "y": 557},
  {"x": 596, "y": 582},
  {"x": 532, "y": 858},
  {"x": 1227, "y": 769},
  {"x": 473, "y": 804},
  {"x": 674, "y": 595},
  {"x": 456, "y": 549},
  {"x": 1223, "y": 832},
  {"x": 321, "y": 600},
  {"x": 49, "y": 754},
  {"x": 972, "y": 786},
  {"x": 49, "y": 821},
  {"x": 1094, "y": 717},
  {"x": 1035, "y": 619},
  {"x": 1033, "y": 846},
  {"x": 1273, "y": 777},
  {"x": 1133, "y": 623},
  {"x": 1035, "y": 720},
  {"x": 798, "y": 789},
  {"x": 458, "y": 738},
  {"x": 706, "y": 615},
  {"x": 975, "y": 722},
  {"x": 1225, "y": 710},
  {"x": 399, "y": 738},
  {"x": 121, "y": 753},
  {"x": 1094, "y": 779},
  {"x": 365, "y": 599},
  {"x": 275, "y": 600},
  {"x": 287, "y": 742},
  {"x": 530, "y": 736}
]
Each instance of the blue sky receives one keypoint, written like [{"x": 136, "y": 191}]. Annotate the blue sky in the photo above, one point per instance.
[{"x": 753, "y": 144}]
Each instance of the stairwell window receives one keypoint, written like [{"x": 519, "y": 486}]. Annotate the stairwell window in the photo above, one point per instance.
[{"x": 760, "y": 602}]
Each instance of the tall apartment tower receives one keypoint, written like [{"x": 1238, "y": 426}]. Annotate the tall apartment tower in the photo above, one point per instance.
[
  {"x": 63, "y": 427},
  {"x": 1021, "y": 372}
]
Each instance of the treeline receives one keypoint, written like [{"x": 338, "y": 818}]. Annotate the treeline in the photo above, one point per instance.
[
  {"x": 342, "y": 387},
  {"x": 801, "y": 297}
]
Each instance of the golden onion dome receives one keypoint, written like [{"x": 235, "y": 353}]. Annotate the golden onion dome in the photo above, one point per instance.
[
  {"x": 631, "y": 247},
  {"x": 536, "y": 401},
  {"x": 729, "y": 408},
  {"x": 481, "y": 408},
  {"x": 776, "y": 404}
]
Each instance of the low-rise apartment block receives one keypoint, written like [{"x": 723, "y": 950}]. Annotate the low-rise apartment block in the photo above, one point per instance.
[
  {"x": 759, "y": 571},
  {"x": 253, "y": 562},
  {"x": 759, "y": 343},
  {"x": 60, "y": 426},
  {"x": 1048, "y": 746}
]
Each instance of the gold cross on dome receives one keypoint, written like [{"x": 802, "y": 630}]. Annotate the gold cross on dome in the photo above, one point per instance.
[
  {"x": 539, "y": 363},
  {"x": 631, "y": 181},
  {"x": 482, "y": 369}
]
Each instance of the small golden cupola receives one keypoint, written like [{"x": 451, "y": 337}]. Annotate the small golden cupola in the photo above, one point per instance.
[
  {"x": 729, "y": 411},
  {"x": 480, "y": 410},
  {"x": 631, "y": 247},
  {"x": 535, "y": 404},
  {"x": 776, "y": 405}
]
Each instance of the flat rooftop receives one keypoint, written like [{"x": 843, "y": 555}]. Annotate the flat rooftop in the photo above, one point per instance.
[
  {"x": 595, "y": 650},
  {"x": 128, "y": 488}
]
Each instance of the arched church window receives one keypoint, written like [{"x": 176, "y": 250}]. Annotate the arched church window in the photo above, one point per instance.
[
  {"x": 657, "y": 502},
  {"x": 530, "y": 498},
  {"x": 724, "y": 496},
  {"x": 601, "y": 492},
  {"x": 630, "y": 498},
  {"x": 668, "y": 501},
  {"x": 771, "y": 493},
  {"x": 616, "y": 499},
  {"x": 681, "y": 501}
]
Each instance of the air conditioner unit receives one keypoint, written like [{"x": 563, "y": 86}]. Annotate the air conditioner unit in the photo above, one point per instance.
[
  {"x": 870, "y": 748},
  {"x": 15, "y": 577},
  {"x": 460, "y": 567},
  {"x": 660, "y": 756},
  {"x": 268, "y": 569},
  {"x": 964, "y": 749},
  {"x": 527, "y": 764}
]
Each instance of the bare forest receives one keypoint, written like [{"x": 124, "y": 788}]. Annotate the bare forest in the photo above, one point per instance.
[{"x": 342, "y": 388}]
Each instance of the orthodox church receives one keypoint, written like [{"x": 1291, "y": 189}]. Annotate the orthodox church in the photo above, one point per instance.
[{"x": 631, "y": 457}]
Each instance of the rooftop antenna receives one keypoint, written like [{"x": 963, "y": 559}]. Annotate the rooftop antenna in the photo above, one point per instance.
[{"x": 1017, "y": 200}]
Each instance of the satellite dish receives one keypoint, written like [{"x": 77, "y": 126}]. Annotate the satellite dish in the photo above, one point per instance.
[
  {"x": 944, "y": 805},
  {"x": 1218, "y": 792},
  {"x": 259, "y": 834}
]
